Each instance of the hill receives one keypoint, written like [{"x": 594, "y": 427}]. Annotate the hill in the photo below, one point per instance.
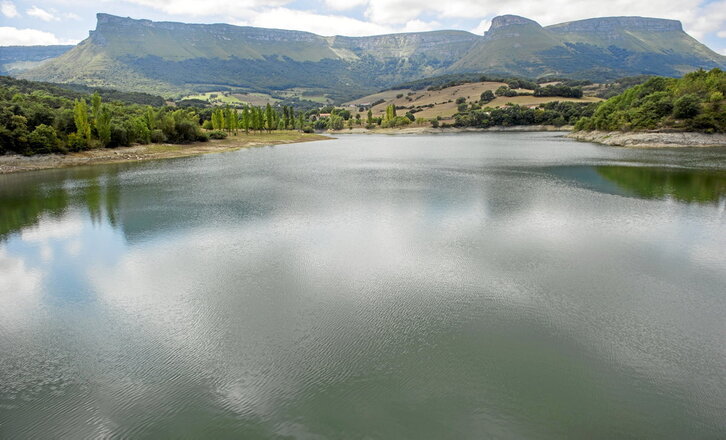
[
  {"x": 176, "y": 58},
  {"x": 692, "y": 103},
  {"x": 77, "y": 91},
  {"x": 444, "y": 102},
  {"x": 17, "y": 59}
]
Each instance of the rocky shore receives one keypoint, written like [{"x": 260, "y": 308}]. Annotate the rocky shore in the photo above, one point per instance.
[{"x": 642, "y": 139}]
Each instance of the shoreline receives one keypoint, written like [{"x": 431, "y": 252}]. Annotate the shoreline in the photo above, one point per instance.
[
  {"x": 651, "y": 139},
  {"x": 430, "y": 130},
  {"x": 16, "y": 163}
]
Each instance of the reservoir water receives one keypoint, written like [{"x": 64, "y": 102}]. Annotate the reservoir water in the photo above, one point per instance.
[{"x": 399, "y": 287}]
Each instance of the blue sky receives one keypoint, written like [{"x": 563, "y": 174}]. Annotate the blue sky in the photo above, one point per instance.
[{"x": 68, "y": 21}]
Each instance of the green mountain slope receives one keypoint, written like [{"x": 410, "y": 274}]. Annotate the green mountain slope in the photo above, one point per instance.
[
  {"x": 596, "y": 49},
  {"x": 173, "y": 58}
]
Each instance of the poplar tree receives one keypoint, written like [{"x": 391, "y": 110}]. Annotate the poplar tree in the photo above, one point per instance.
[
  {"x": 95, "y": 107},
  {"x": 269, "y": 117},
  {"x": 246, "y": 120},
  {"x": 80, "y": 117},
  {"x": 103, "y": 125}
]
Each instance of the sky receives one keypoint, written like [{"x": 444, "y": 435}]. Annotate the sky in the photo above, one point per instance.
[{"x": 28, "y": 22}]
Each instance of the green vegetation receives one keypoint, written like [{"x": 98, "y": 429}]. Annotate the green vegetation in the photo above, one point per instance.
[
  {"x": 552, "y": 113},
  {"x": 75, "y": 91},
  {"x": 561, "y": 90},
  {"x": 693, "y": 103},
  {"x": 33, "y": 120}
]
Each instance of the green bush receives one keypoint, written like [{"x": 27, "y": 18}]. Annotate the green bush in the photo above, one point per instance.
[
  {"x": 217, "y": 134},
  {"x": 76, "y": 142},
  {"x": 687, "y": 106},
  {"x": 119, "y": 137},
  {"x": 43, "y": 140},
  {"x": 157, "y": 136}
]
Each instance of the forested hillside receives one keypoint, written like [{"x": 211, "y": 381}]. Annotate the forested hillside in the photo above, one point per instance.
[
  {"x": 37, "y": 118},
  {"x": 694, "y": 103}
]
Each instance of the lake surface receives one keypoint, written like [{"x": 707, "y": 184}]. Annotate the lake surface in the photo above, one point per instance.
[{"x": 447, "y": 286}]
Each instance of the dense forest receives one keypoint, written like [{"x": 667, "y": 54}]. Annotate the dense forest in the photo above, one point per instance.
[{"x": 693, "y": 103}]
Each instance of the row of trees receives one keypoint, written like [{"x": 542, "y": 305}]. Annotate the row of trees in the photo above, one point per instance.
[{"x": 255, "y": 119}]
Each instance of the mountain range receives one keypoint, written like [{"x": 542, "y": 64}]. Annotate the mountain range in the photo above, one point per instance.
[{"x": 176, "y": 58}]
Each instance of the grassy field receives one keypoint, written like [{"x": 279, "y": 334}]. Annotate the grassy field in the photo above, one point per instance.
[
  {"x": 443, "y": 101},
  {"x": 239, "y": 97},
  {"x": 233, "y": 98}
]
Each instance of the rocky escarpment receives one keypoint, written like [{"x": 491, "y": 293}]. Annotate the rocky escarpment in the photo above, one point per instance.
[
  {"x": 618, "y": 24},
  {"x": 503, "y": 21},
  {"x": 131, "y": 54},
  {"x": 640, "y": 139}
]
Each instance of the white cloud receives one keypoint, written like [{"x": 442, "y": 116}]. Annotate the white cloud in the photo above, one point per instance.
[
  {"x": 48, "y": 229},
  {"x": 232, "y": 8},
  {"x": 8, "y": 9},
  {"x": 420, "y": 26},
  {"x": 19, "y": 290},
  {"x": 41, "y": 14},
  {"x": 483, "y": 27},
  {"x": 342, "y": 5},
  {"x": 320, "y": 24},
  {"x": 11, "y": 36}
]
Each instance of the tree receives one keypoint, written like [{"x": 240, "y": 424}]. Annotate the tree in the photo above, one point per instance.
[
  {"x": 95, "y": 106},
  {"x": 80, "y": 117},
  {"x": 487, "y": 96},
  {"x": 390, "y": 112},
  {"x": 269, "y": 118},
  {"x": 43, "y": 140},
  {"x": 246, "y": 119},
  {"x": 687, "y": 106},
  {"x": 103, "y": 126},
  {"x": 369, "y": 120}
]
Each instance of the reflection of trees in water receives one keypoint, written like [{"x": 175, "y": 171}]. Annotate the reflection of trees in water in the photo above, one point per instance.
[
  {"x": 25, "y": 199},
  {"x": 702, "y": 186}
]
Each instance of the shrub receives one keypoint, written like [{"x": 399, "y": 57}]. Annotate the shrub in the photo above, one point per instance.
[
  {"x": 119, "y": 137},
  {"x": 76, "y": 142},
  {"x": 687, "y": 106},
  {"x": 217, "y": 134},
  {"x": 43, "y": 140},
  {"x": 157, "y": 136}
]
